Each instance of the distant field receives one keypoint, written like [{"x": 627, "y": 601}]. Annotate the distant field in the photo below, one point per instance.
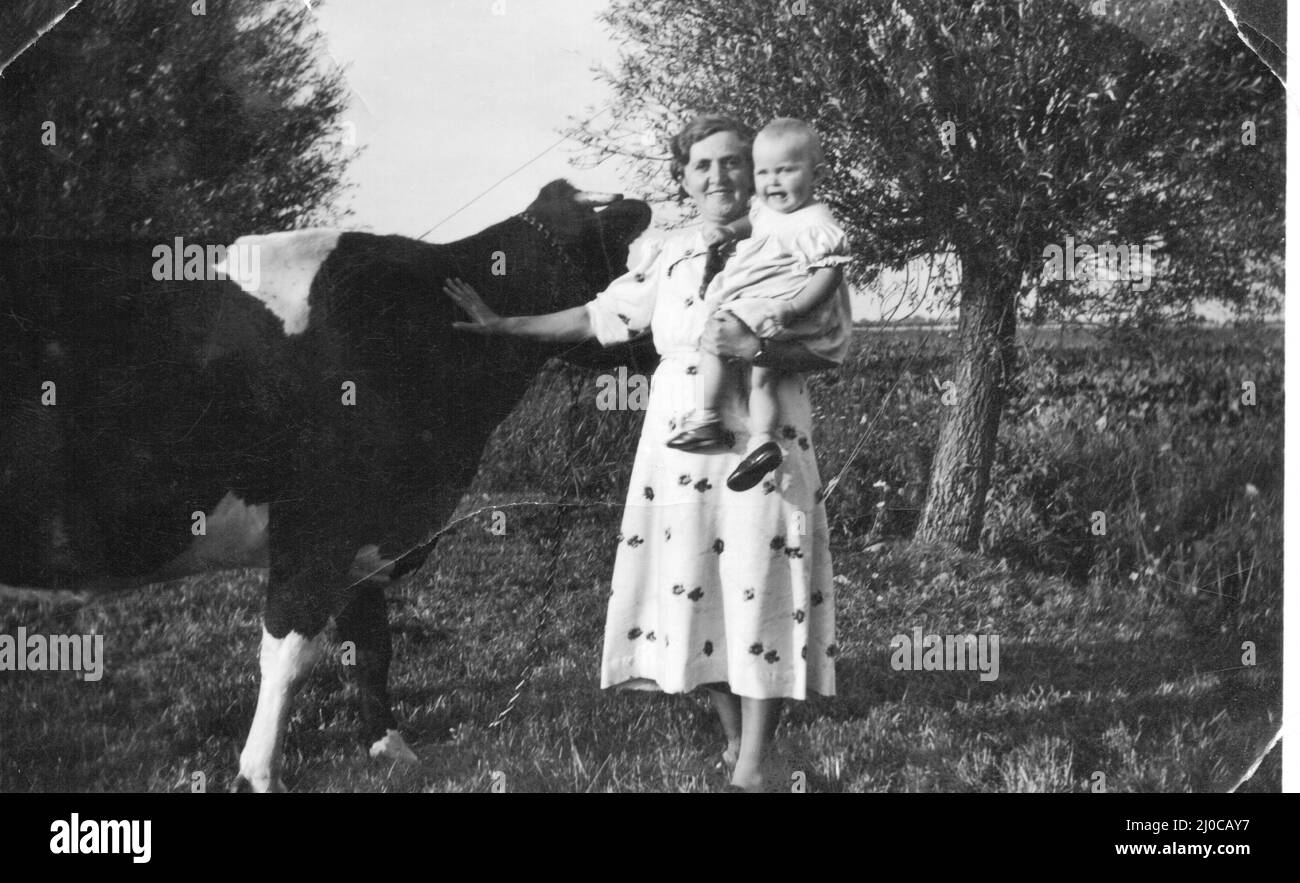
[
  {"x": 1054, "y": 335},
  {"x": 1120, "y": 654}
]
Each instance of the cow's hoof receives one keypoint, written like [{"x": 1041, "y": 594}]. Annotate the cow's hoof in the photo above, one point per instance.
[
  {"x": 393, "y": 747},
  {"x": 257, "y": 785}
]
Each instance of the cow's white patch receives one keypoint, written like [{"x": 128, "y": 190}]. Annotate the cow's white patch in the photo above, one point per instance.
[
  {"x": 284, "y": 662},
  {"x": 236, "y": 536},
  {"x": 287, "y": 264},
  {"x": 393, "y": 747}
]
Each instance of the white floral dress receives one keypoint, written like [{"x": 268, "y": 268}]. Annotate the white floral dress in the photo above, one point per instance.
[{"x": 710, "y": 585}]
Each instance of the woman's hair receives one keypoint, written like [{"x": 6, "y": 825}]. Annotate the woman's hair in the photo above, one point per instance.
[{"x": 703, "y": 126}]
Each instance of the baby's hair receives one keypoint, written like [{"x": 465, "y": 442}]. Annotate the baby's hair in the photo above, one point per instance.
[{"x": 783, "y": 126}]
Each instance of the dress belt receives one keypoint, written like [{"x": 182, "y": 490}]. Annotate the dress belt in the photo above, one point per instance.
[{"x": 684, "y": 354}]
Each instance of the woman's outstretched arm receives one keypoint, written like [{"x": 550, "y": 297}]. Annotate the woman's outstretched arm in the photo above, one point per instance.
[{"x": 566, "y": 326}]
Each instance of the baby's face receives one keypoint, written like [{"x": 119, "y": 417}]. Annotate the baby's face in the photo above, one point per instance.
[{"x": 784, "y": 173}]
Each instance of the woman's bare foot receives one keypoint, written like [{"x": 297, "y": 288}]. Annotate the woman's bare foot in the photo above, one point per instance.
[
  {"x": 771, "y": 773},
  {"x": 729, "y": 757},
  {"x": 750, "y": 778}
]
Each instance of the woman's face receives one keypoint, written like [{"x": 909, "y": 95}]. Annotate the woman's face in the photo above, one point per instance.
[{"x": 719, "y": 178}]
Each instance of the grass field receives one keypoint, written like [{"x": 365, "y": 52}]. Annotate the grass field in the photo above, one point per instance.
[{"x": 1121, "y": 654}]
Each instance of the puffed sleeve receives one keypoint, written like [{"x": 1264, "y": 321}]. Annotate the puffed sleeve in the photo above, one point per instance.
[
  {"x": 821, "y": 245},
  {"x": 623, "y": 310}
]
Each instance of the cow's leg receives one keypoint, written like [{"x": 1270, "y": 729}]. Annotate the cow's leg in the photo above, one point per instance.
[
  {"x": 285, "y": 661},
  {"x": 297, "y": 610},
  {"x": 364, "y": 622}
]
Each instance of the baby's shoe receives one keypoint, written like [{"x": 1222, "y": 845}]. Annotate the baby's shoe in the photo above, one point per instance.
[
  {"x": 758, "y": 463},
  {"x": 699, "y": 437}
]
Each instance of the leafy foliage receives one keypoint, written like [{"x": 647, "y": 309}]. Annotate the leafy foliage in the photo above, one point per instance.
[
  {"x": 1153, "y": 432},
  {"x": 989, "y": 128},
  {"x": 165, "y": 122}
]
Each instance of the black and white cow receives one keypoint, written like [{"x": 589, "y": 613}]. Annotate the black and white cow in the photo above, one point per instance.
[{"x": 331, "y": 405}]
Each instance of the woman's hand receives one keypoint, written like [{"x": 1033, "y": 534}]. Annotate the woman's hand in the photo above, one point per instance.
[
  {"x": 730, "y": 338},
  {"x": 566, "y": 326},
  {"x": 718, "y": 235},
  {"x": 485, "y": 321}
]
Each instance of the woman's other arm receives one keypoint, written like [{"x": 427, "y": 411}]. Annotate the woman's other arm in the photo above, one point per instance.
[
  {"x": 791, "y": 356},
  {"x": 566, "y": 326},
  {"x": 728, "y": 337}
]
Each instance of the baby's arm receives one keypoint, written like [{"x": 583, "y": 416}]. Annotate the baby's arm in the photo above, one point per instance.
[
  {"x": 819, "y": 289},
  {"x": 721, "y": 234}
]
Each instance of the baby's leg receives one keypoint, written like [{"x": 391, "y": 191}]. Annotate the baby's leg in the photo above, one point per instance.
[
  {"x": 710, "y": 374},
  {"x": 764, "y": 454},
  {"x": 764, "y": 412},
  {"x": 702, "y": 429}
]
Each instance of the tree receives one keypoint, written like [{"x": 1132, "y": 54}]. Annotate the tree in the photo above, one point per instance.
[
  {"x": 160, "y": 118},
  {"x": 990, "y": 130}
]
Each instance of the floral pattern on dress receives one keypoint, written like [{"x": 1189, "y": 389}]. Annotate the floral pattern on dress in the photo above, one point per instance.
[{"x": 713, "y": 568}]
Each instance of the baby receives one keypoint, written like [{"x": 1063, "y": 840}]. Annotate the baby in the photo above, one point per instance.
[{"x": 785, "y": 282}]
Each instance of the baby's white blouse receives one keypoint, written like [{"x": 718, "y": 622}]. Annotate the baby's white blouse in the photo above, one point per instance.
[
  {"x": 710, "y": 585},
  {"x": 774, "y": 264}
]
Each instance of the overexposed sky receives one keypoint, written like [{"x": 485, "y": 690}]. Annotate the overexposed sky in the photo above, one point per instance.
[
  {"x": 451, "y": 96},
  {"x": 448, "y": 96}
]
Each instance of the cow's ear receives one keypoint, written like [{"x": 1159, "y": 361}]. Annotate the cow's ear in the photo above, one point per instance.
[
  {"x": 557, "y": 208},
  {"x": 558, "y": 190},
  {"x": 595, "y": 199}
]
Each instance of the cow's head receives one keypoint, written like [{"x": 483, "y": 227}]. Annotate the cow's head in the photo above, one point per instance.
[{"x": 591, "y": 231}]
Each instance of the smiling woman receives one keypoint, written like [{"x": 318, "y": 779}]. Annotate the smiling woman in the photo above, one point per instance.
[{"x": 713, "y": 589}]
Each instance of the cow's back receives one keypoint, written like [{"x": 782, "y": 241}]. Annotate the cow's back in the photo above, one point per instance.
[
  {"x": 425, "y": 398},
  {"x": 127, "y": 405}
]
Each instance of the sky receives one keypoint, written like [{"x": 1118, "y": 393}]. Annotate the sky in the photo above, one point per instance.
[{"x": 450, "y": 96}]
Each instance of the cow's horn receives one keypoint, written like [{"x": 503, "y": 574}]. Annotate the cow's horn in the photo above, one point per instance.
[{"x": 587, "y": 197}]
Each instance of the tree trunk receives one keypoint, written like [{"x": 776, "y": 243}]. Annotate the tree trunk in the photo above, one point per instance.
[{"x": 985, "y": 367}]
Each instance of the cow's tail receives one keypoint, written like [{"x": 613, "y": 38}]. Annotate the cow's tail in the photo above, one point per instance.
[
  {"x": 90, "y": 591},
  {"x": 46, "y": 597}
]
